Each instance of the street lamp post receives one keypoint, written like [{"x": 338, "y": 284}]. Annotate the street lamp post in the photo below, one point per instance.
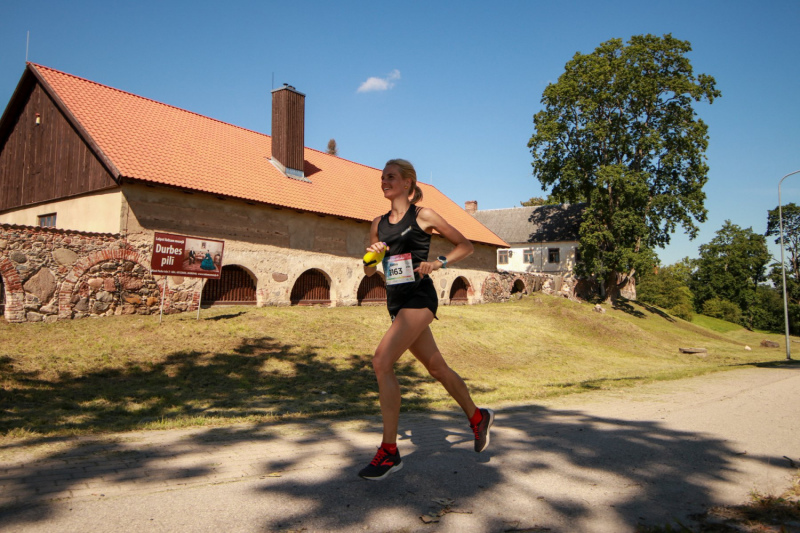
[{"x": 783, "y": 267}]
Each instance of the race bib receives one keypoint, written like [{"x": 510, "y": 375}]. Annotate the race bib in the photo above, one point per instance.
[{"x": 398, "y": 269}]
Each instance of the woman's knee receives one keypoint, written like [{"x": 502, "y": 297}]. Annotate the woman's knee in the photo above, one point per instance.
[
  {"x": 382, "y": 364},
  {"x": 439, "y": 369}
]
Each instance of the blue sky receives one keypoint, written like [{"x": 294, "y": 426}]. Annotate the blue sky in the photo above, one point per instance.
[{"x": 451, "y": 86}]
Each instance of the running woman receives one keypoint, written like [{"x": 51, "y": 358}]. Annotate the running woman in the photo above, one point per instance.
[{"x": 405, "y": 234}]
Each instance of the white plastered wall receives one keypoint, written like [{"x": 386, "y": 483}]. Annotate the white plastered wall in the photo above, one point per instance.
[
  {"x": 540, "y": 264},
  {"x": 96, "y": 213}
]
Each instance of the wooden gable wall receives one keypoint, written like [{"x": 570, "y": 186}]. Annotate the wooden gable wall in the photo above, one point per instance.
[{"x": 45, "y": 162}]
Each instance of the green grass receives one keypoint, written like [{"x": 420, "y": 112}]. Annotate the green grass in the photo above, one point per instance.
[
  {"x": 249, "y": 364},
  {"x": 715, "y": 324}
]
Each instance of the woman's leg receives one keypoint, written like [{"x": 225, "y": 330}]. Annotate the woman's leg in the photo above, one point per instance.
[
  {"x": 425, "y": 350},
  {"x": 407, "y": 326}
]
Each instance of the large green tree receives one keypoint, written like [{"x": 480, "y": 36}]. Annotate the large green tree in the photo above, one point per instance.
[
  {"x": 619, "y": 132},
  {"x": 792, "y": 295},
  {"x": 790, "y": 213},
  {"x": 791, "y": 242},
  {"x": 731, "y": 267}
]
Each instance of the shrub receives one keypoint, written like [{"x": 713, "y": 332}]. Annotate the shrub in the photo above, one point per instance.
[
  {"x": 667, "y": 290},
  {"x": 767, "y": 312},
  {"x": 683, "y": 310},
  {"x": 724, "y": 309}
]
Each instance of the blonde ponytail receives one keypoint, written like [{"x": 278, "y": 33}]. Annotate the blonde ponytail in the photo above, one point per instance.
[{"x": 417, "y": 194}]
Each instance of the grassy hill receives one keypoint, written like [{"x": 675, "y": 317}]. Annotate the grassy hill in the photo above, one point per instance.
[{"x": 237, "y": 364}]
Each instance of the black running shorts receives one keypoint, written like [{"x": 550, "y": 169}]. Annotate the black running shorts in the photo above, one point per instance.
[{"x": 424, "y": 296}]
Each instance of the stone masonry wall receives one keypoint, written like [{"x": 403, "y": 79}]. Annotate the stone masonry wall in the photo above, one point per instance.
[
  {"x": 50, "y": 274},
  {"x": 500, "y": 287}
]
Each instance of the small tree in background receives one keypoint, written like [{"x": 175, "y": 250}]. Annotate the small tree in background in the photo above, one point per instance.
[
  {"x": 792, "y": 296},
  {"x": 535, "y": 201},
  {"x": 768, "y": 310},
  {"x": 332, "y": 147},
  {"x": 667, "y": 288},
  {"x": 731, "y": 267},
  {"x": 684, "y": 270},
  {"x": 722, "y": 309}
]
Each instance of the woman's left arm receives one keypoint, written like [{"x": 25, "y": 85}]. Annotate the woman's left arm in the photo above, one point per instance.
[{"x": 430, "y": 220}]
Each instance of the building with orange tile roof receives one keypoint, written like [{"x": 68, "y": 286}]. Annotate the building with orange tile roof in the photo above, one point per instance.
[{"x": 87, "y": 157}]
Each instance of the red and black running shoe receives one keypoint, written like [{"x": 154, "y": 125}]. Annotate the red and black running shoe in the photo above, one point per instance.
[
  {"x": 382, "y": 465},
  {"x": 481, "y": 430}
]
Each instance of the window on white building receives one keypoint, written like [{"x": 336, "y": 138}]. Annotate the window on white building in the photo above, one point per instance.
[
  {"x": 527, "y": 256},
  {"x": 502, "y": 257},
  {"x": 553, "y": 255}
]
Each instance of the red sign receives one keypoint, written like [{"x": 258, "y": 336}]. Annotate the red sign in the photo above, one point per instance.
[{"x": 178, "y": 255}]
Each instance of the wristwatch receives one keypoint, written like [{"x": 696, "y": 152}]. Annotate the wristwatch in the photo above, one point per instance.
[{"x": 443, "y": 260}]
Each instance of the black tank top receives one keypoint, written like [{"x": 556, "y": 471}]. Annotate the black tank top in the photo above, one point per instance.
[{"x": 405, "y": 237}]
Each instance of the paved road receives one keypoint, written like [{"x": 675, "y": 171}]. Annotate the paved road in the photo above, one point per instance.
[{"x": 600, "y": 462}]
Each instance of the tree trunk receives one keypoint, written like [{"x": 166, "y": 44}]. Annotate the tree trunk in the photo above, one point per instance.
[
  {"x": 611, "y": 292},
  {"x": 616, "y": 284}
]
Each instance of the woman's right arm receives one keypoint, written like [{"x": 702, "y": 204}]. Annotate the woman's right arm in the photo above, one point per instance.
[{"x": 374, "y": 246}]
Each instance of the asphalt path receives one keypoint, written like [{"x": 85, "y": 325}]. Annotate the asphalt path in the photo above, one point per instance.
[{"x": 597, "y": 462}]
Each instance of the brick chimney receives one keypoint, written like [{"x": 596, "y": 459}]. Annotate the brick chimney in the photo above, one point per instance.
[
  {"x": 470, "y": 206},
  {"x": 288, "y": 131}
]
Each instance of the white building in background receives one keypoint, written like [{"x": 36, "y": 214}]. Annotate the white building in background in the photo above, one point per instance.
[{"x": 542, "y": 239}]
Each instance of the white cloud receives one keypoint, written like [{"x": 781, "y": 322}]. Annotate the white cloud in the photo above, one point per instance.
[{"x": 380, "y": 84}]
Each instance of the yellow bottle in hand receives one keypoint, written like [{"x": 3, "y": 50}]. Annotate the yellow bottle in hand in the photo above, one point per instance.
[{"x": 373, "y": 258}]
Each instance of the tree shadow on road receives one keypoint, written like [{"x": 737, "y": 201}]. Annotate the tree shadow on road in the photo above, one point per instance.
[
  {"x": 561, "y": 469},
  {"x": 557, "y": 468}
]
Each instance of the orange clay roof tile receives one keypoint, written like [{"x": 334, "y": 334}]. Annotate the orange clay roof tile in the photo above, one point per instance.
[{"x": 161, "y": 144}]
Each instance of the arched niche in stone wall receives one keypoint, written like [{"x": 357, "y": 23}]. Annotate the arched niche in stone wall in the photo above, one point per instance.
[
  {"x": 372, "y": 290},
  {"x": 518, "y": 286},
  {"x": 312, "y": 287},
  {"x": 459, "y": 291},
  {"x": 235, "y": 286}
]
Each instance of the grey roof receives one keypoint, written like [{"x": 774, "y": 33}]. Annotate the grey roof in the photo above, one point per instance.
[{"x": 545, "y": 223}]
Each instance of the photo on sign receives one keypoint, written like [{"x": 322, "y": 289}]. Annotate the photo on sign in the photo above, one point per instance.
[{"x": 201, "y": 255}]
